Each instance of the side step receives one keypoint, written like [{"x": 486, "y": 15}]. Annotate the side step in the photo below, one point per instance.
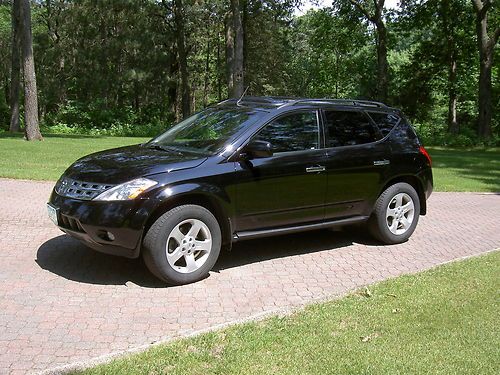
[{"x": 247, "y": 235}]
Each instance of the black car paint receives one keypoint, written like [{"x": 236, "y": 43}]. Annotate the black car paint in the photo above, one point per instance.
[
  {"x": 249, "y": 197},
  {"x": 122, "y": 164}
]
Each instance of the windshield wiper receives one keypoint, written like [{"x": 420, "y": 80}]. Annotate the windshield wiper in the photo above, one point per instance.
[{"x": 164, "y": 148}]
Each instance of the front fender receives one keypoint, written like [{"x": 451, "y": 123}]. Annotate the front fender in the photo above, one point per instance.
[{"x": 207, "y": 195}]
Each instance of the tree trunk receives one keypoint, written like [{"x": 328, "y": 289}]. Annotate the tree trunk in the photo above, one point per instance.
[
  {"x": 452, "y": 96},
  {"x": 485, "y": 102},
  {"x": 447, "y": 17},
  {"x": 31, "y": 126},
  {"x": 238, "y": 50},
  {"x": 181, "y": 50},
  {"x": 207, "y": 71},
  {"x": 382, "y": 64},
  {"x": 219, "y": 69},
  {"x": 486, "y": 45},
  {"x": 377, "y": 19},
  {"x": 15, "y": 70},
  {"x": 173, "y": 86},
  {"x": 230, "y": 52}
]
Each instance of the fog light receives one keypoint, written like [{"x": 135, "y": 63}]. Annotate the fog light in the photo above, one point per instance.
[{"x": 111, "y": 236}]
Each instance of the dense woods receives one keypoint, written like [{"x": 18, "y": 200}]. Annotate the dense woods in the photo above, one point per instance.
[{"x": 132, "y": 67}]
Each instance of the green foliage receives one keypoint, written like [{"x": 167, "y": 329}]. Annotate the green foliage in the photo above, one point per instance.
[
  {"x": 117, "y": 130},
  {"x": 328, "y": 47},
  {"x": 95, "y": 119},
  {"x": 434, "y": 135},
  {"x": 111, "y": 67},
  {"x": 5, "y": 47}
]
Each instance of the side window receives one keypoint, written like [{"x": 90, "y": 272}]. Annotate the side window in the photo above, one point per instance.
[
  {"x": 294, "y": 132},
  {"x": 385, "y": 121},
  {"x": 348, "y": 128}
]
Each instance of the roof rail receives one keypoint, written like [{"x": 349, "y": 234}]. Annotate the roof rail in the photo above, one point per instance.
[{"x": 352, "y": 102}]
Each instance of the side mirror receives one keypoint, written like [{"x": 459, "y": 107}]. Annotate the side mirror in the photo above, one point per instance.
[{"x": 258, "y": 149}]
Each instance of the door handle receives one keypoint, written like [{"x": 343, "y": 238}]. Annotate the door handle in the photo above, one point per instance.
[
  {"x": 381, "y": 162},
  {"x": 315, "y": 169}
]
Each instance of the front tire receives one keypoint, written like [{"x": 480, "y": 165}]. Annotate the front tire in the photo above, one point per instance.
[
  {"x": 182, "y": 245},
  {"x": 396, "y": 214}
]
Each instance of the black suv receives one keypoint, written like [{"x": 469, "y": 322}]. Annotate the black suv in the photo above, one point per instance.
[{"x": 242, "y": 169}]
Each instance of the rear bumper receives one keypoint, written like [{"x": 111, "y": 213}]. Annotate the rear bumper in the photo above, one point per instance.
[
  {"x": 427, "y": 184},
  {"x": 426, "y": 178},
  {"x": 109, "y": 227}
]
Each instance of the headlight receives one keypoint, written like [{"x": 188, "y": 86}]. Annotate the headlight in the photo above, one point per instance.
[{"x": 127, "y": 190}]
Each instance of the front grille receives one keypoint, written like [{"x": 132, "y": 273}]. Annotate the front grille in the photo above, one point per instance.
[
  {"x": 70, "y": 223},
  {"x": 70, "y": 188}
]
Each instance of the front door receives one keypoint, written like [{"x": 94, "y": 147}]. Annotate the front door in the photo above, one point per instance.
[{"x": 289, "y": 187}]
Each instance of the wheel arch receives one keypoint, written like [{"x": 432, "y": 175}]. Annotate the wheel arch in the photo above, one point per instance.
[
  {"x": 214, "y": 205},
  {"x": 415, "y": 183}
]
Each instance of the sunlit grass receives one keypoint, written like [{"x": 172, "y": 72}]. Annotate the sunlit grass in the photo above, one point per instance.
[
  {"x": 466, "y": 170},
  {"x": 454, "y": 169},
  {"x": 48, "y": 159},
  {"x": 442, "y": 321}
]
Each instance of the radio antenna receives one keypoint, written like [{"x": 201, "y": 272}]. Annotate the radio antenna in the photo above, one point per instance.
[{"x": 242, "y": 95}]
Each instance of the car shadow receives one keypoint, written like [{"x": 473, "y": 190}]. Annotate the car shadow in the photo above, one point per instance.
[
  {"x": 68, "y": 258},
  {"x": 258, "y": 250},
  {"x": 71, "y": 259}
]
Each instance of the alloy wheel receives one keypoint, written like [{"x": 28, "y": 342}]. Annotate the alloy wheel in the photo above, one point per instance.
[
  {"x": 400, "y": 213},
  {"x": 188, "y": 245}
]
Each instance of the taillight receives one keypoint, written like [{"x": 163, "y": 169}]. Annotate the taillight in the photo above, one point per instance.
[{"x": 424, "y": 152}]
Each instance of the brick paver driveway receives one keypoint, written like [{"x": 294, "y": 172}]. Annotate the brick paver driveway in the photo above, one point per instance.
[{"x": 60, "y": 302}]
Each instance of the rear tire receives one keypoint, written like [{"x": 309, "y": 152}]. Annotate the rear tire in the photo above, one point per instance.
[
  {"x": 182, "y": 245},
  {"x": 396, "y": 214}
]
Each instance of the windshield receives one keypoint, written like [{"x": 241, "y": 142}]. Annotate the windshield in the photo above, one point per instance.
[{"x": 206, "y": 132}]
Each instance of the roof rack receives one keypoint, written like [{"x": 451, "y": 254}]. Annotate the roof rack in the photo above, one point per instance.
[
  {"x": 352, "y": 102},
  {"x": 281, "y": 102},
  {"x": 267, "y": 101}
]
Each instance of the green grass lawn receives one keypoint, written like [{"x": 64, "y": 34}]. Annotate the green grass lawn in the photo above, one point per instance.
[
  {"x": 466, "y": 170},
  {"x": 442, "y": 321},
  {"x": 454, "y": 169},
  {"x": 48, "y": 159}
]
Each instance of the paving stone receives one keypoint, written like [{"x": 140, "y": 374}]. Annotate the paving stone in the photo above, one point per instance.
[{"x": 62, "y": 302}]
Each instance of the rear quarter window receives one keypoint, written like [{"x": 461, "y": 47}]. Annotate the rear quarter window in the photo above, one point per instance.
[
  {"x": 385, "y": 121},
  {"x": 348, "y": 128}
]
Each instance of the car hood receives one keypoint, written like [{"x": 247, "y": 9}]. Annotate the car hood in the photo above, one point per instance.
[{"x": 126, "y": 163}]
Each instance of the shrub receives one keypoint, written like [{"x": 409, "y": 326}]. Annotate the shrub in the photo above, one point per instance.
[
  {"x": 432, "y": 135},
  {"x": 96, "y": 119},
  {"x": 122, "y": 130}
]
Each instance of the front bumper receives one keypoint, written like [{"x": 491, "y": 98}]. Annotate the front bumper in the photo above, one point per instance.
[{"x": 92, "y": 221}]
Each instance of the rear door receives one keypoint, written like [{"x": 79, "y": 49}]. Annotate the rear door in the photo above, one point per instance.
[
  {"x": 357, "y": 162},
  {"x": 290, "y": 186}
]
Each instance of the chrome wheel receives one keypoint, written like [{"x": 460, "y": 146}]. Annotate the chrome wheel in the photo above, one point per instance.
[
  {"x": 400, "y": 213},
  {"x": 188, "y": 245}
]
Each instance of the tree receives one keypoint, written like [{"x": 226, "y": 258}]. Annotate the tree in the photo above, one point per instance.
[
  {"x": 433, "y": 83},
  {"x": 15, "y": 69},
  {"x": 486, "y": 44},
  {"x": 181, "y": 51},
  {"x": 449, "y": 27},
  {"x": 234, "y": 50},
  {"x": 31, "y": 126},
  {"x": 374, "y": 14},
  {"x": 328, "y": 52}
]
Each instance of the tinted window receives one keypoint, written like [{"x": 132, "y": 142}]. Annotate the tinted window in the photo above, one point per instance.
[
  {"x": 205, "y": 132},
  {"x": 348, "y": 128},
  {"x": 385, "y": 121},
  {"x": 294, "y": 132}
]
